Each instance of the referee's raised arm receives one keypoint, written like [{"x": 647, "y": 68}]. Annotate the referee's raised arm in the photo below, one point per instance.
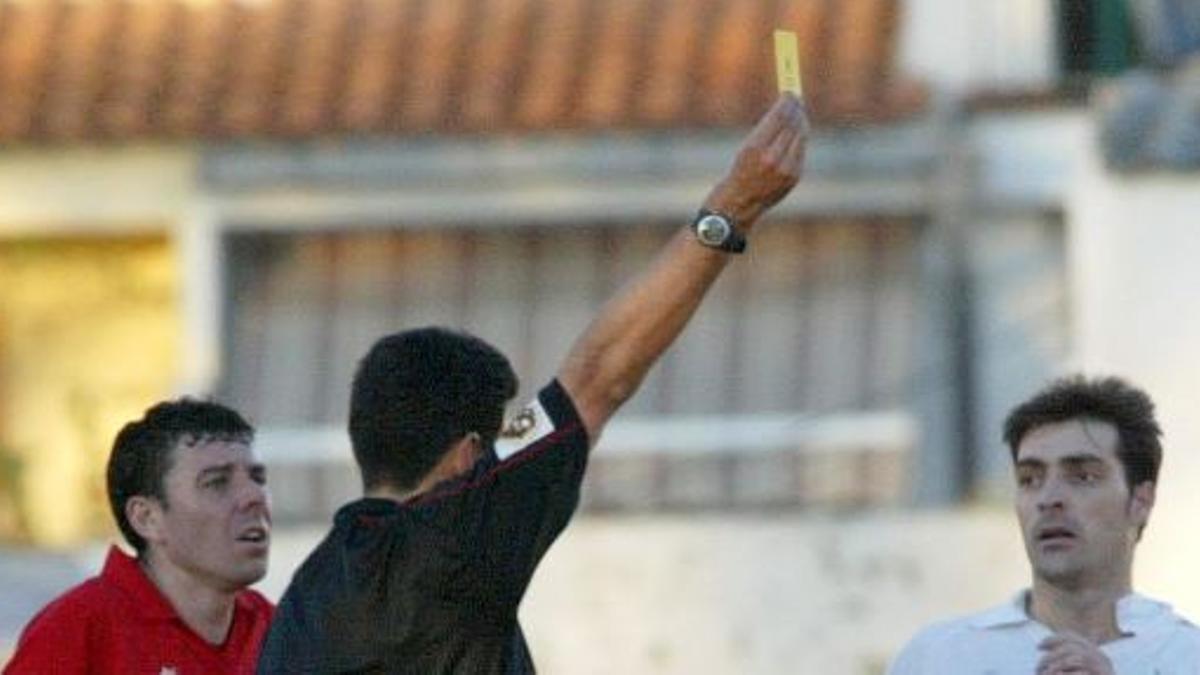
[
  {"x": 426, "y": 572},
  {"x": 608, "y": 361}
]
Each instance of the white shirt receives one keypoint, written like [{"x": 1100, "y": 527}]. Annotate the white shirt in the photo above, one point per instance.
[{"x": 1003, "y": 641}]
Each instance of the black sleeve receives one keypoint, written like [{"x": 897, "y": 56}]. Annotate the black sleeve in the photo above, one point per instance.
[{"x": 522, "y": 498}]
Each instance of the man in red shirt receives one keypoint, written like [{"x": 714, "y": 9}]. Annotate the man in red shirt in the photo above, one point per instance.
[{"x": 189, "y": 494}]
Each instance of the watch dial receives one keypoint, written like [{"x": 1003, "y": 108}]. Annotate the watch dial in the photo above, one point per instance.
[{"x": 712, "y": 230}]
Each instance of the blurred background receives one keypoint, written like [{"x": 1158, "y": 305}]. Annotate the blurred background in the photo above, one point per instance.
[{"x": 236, "y": 197}]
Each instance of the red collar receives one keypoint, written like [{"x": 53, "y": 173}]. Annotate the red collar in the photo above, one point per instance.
[{"x": 124, "y": 572}]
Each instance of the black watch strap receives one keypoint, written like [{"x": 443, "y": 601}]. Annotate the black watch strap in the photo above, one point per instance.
[{"x": 719, "y": 231}]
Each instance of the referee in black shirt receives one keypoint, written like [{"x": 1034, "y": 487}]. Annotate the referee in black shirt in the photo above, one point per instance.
[{"x": 425, "y": 573}]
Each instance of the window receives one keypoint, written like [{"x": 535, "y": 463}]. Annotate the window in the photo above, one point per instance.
[
  {"x": 803, "y": 347},
  {"x": 1095, "y": 37}
]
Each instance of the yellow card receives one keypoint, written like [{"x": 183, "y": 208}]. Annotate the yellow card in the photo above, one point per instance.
[{"x": 787, "y": 62}]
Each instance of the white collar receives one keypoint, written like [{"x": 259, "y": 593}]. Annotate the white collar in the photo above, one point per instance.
[{"x": 1134, "y": 613}]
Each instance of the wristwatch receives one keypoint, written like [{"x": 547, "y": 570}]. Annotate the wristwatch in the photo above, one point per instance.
[{"x": 717, "y": 230}]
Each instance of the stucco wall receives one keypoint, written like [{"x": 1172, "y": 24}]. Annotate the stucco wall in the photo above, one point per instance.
[
  {"x": 90, "y": 290},
  {"x": 698, "y": 594},
  {"x": 90, "y": 337},
  {"x": 84, "y": 190},
  {"x": 1135, "y": 243}
]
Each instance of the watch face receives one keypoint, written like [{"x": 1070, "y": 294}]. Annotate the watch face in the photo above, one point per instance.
[{"x": 713, "y": 230}]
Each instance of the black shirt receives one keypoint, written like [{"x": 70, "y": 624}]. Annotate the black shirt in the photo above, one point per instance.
[{"x": 433, "y": 585}]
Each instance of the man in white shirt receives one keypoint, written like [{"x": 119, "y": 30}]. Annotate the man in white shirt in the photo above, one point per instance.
[{"x": 1086, "y": 454}]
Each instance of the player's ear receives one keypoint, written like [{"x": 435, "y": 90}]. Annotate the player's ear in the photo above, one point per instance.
[
  {"x": 1141, "y": 502},
  {"x": 145, "y": 515},
  {"x": 467, "y": 452}
]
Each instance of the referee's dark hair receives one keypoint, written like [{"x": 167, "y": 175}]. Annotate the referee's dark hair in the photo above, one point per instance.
[
  {"x": 143, "y": 451},
  {"x": 1108, "y": 399},
  {"x": 416, "y": 393}
]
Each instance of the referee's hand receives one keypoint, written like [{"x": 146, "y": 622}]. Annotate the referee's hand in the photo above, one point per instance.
[{"x": 767, "y": 166}]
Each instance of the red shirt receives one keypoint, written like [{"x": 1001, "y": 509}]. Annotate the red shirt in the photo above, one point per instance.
[{"x": 119, "y": 622}]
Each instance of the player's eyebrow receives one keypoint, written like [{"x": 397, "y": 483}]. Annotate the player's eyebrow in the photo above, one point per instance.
[
  {"x": 219, "y": 469},
  {"x": 1070, "y": 461},
  {"x": 1084, "y": 459}
]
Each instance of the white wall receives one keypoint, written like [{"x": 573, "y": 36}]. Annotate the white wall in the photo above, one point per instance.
[
  {"x": 80, "y": 190},
  {"x": 966, "y": 45},
  {"x": 126, "y": 191},
  {"x": 1135, "y": 265},
  {"x": 708, "y": 594}
]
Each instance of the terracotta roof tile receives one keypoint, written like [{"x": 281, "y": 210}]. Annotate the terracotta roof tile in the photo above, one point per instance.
[
  {"x": 28, "y": 61},
  {"x": 486, "y": 90},
  {"x": 252, "y": 88},
  {"x": 727, "y": 56},
  {"x": 135, "y": 87},
  {"x": 197, "y": 72},
  {"x": 126, "y": 69},
  {"x": 380, "y": 40},
  {"x": 668, "y": 64},
  {"x": 77, "y": 74},
  {"x": 317, "y": 71},
  {"x": 439, "y": 55},
  {"x": 856, "y": 54},
  {"x": 614, "y": 76},
  {"x": 547, "y": 72}
]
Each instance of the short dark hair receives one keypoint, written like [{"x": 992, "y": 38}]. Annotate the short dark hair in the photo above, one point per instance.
[
  {"x": 143, "y": 451},
  {"x": 1107, "y": 399},
  {"x": 415, "y": 393}
]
